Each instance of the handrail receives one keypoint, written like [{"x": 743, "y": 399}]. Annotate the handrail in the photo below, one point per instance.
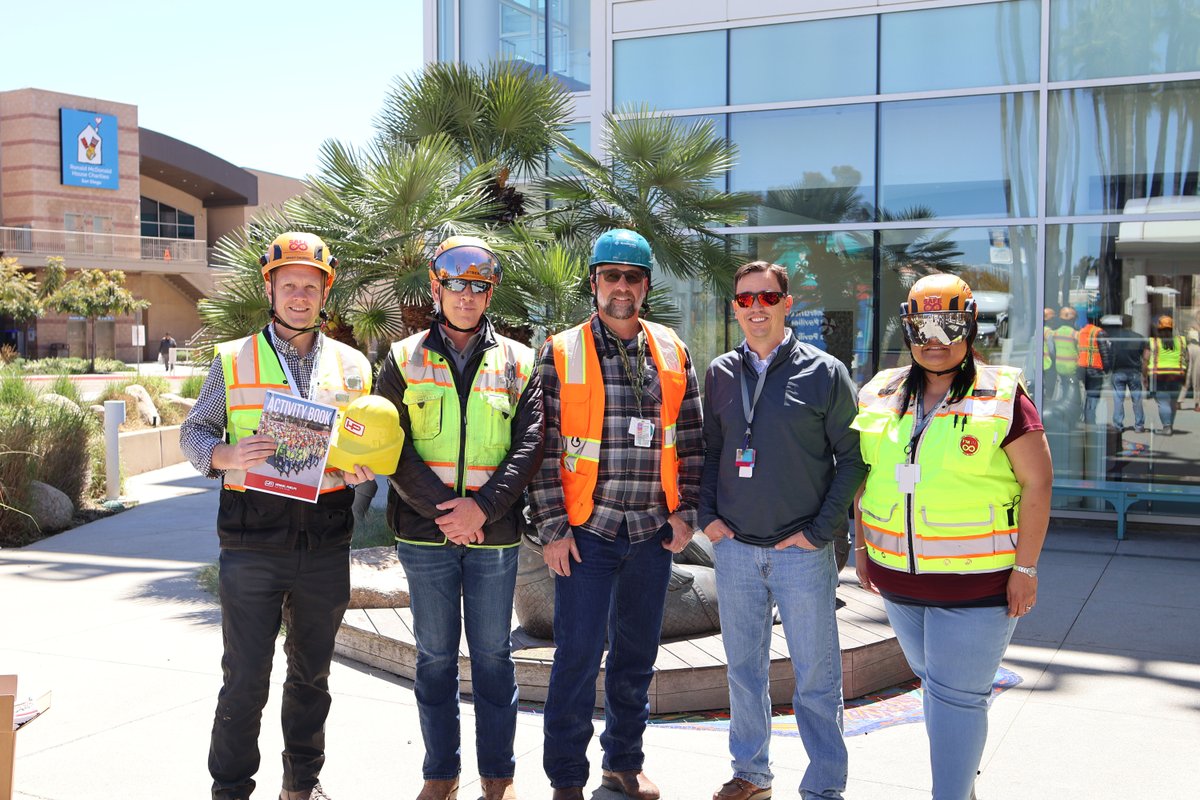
[{"x": 37, "y": 241}]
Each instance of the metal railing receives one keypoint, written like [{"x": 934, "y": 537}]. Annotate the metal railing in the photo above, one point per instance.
[{"x": 36, "y": 241}]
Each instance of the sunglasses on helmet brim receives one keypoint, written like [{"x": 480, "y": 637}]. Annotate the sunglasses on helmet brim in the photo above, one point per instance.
[{"x": 937, "y": 327}]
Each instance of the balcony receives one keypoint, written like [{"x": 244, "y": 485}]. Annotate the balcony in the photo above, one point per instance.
[{"x": 105, "y": 247}]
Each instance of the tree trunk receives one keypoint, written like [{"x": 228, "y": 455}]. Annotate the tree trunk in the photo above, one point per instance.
[{"x": 92, "y": 353}]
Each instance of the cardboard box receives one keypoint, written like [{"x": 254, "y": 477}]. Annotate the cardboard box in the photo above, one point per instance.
[{"x": 8, "y": 729}]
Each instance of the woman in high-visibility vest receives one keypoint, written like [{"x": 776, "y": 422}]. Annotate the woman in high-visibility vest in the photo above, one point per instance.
[
  {"x": 951, "y": 519},
  {"x": 1166, "y": 367}
]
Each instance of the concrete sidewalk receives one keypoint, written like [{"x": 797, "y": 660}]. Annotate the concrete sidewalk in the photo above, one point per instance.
[{"x": 109, "y": 617}]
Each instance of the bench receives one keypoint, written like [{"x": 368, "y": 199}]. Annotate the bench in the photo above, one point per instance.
[{"x": 1121, "y": 494}]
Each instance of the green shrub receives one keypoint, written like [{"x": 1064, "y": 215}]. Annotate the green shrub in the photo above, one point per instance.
[
  {"x": 64, "y": 439},
  {"x": 155, "y": 387},
  {"x": 71, "y": 366},
  {"x": 191, "y": 384},
  {"x": 15, "y": 391},
  {"x": 63, "y": 385},
  {"x": 17, "y": 461}
]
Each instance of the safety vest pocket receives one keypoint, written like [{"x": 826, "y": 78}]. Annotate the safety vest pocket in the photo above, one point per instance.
[
  {"x": 499, "y": 427},
  {"x": 424, "y": 411},
  {"x": 879, "y": 514}
]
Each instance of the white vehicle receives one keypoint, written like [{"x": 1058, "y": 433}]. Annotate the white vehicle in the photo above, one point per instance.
[{"x": 993, "y": 316}]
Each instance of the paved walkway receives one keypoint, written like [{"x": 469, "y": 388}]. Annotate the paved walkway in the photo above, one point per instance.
[{"x": 109, "y": 617}]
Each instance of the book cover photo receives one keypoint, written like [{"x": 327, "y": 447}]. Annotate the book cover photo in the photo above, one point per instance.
[{"x": 302, "y": 429}]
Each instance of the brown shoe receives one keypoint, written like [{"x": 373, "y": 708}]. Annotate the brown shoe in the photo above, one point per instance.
[
  {"x": 568, "y": 793},
  {"x": 439, "y": 790},
  {"x": 498, "y": 789},
  {"x": 739, "y": 789},
  {"x": 632, "y": 783}
]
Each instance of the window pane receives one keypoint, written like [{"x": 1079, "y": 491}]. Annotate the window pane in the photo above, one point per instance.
[
  {"x": 149, "y": 210},
  {"x": 682, "y": 71},
  {"x": 702, "y": 318},
  {"x": 186, "y": 218},
  {"x": 1109, "y": 145},
  {"x": 1104, "y": 38},
  {"x": 502, "y": 29},
  {"x": 1124, "y": 277},
  {"x": 570, "y": 43},
  {"x": 829, "y": 279},
  {"x": 445, "y": 30},
  {"x": 187, "y": 232},
  {"x": 580, "y": 134},
  {"x": 959, "y": 157},
  {"x": 806, "y": 165},
  {"x": 997, "y": 263},
  {"x": 149, "y": 228},
  {"x": 167, "y": 214},
  {"x": 801, "y": 61},
  {"x": 950, "y": 48}
]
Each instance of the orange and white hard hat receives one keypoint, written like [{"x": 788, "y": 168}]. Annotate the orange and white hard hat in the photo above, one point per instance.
[
  {"x": 299, "y": 248},
  {"x": 939, "y": 292}
]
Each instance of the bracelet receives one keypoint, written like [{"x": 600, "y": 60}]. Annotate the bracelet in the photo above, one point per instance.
[{"x": 864, "y": 547}]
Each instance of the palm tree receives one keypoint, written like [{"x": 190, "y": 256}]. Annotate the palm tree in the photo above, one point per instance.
[
  {"x": 503, "y": 113},
  {"x": 658, "y": 177}
]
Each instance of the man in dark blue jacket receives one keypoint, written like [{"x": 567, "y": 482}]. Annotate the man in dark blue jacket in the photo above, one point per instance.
[{"x": 781, "y": 467}]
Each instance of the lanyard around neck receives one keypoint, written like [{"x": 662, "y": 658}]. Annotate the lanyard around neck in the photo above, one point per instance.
[
  {"x": 287, "y": 372},
  {"x": 635, "y": 374},
  {"x": 748, "y": 404}
]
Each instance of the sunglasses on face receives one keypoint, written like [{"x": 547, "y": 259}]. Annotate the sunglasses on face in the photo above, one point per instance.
[
  {"x": 461, "y": 284},
  {"x": 938, "y": 327},
  {"x": 633, "y": 277},
  {"x": 746, "y": 299}
]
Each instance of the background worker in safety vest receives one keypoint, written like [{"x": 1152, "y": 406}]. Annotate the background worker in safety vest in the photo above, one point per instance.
[
  {"x": 1093, "y": 360},
  {"x": 781, "y": 465},
  {"x": 1166, "y": 367},
  {"x": 615, "y": 497},
  {"x": 1066, "y": 354},
  {"x": 471, "y": 409},
  {"x": 951, "y": 520},
  {"x": 282, "y": 560},
  {"x": 1049, "y": 375}
]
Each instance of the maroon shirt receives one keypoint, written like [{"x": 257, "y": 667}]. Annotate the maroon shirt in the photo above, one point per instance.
[{"x": 941, "y": 589}]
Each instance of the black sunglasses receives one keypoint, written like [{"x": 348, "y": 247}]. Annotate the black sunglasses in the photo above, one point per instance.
[
  {"x": 746, "y": 299},
  {"x": 633, "y": 277},
  {"x": 461, "y": 284}
]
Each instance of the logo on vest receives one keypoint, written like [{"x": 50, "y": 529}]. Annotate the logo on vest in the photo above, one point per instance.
[{"x": 969, "y": 445}]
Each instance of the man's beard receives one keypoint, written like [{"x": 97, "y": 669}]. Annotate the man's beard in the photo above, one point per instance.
[{"x": 628, "y": 309}]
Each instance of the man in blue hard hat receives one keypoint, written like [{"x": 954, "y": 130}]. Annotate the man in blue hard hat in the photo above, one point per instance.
[{"x": 616, "y": 495}]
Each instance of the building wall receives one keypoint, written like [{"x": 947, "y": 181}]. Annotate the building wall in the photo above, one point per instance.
[
  {"x": 32, "y": 191},
  {"x": 273, "y": 191}
]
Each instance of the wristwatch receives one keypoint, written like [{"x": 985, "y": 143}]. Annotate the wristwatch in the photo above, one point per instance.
[{"x": 1030, "y": 571}]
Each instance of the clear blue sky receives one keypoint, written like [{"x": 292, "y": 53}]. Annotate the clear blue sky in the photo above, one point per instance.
[{"x": 259, "y": 83}]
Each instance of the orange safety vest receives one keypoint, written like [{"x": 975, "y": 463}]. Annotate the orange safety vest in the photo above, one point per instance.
[
  {"x": 1089, "y": 347},
  {"x": 581, "y": 397}
]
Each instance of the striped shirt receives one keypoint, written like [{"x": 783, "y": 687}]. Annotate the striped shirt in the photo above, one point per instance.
[
  {"x": 204, "y": 427},
  {"x": 629, "y": 484}
]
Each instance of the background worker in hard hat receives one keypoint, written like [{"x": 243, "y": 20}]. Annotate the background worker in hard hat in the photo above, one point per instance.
[
  {"x": 615, "y": 497},
  {"x": 1094, "y": 361},
  {"x": 1166, "y": 367},
  {"x": 952, "y": 517},
  {"x": 282, "y": 560},
  {"x": 1066, "y": 355},
  {"x": 471, "y": 409}
]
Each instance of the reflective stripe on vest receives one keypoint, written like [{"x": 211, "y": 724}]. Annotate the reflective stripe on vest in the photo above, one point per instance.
[
  {"x": 1047, "y": 349},
  {"x": 1066, "y": 350},
  {"x": 435, "y": 414},
  {"x": 1167, "y": 363},
  {"x": 581, "y": 400},
  {"x": 961, "y": 517},
  {"x": 251, "y": 369},
  {"x": 1089, "y": 348}
]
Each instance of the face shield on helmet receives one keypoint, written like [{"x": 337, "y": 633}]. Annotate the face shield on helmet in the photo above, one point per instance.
[
  {"x": 938, "y": 327},
  {"x": 467, "y": 261},
  {"x": 940, "y": 309}
]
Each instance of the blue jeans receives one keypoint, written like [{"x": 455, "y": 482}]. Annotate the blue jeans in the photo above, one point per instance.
[
  {"x": 801, "y": 584},
  {"x": 955, "y": 652},
  {"x": 1166, "y": 393},
  {"x": 1127, "y": 380},
  {"x": 619, "y": 588},
  {"x": 483, "y": 579}
]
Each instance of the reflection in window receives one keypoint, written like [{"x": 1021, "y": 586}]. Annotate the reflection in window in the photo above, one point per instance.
[
  {"x": 959, "y": 157},
  {"x": 806, "y": 165},
  {"x": 1109, "y": 145},
  {"x": 445, "y": 30},
  {"x": 517, "y": 30},
  {"x": 570, "y": 43},
  {"x": 702, "y": 318},
  {"x": 1106, "y": 38},
  {"x": 835, "y": 57},
  {"x": 684, "y": 70},
  {"x": 829, "y": 277},
  {"x": 993, "y": 44},
  {"x": 1122, "y": 279}
]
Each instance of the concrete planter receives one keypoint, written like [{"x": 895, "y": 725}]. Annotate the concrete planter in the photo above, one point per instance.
[{"x": 150, "y": 449}]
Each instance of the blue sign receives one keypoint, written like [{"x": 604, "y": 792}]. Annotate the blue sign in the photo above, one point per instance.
[{"x": 89, "y": 149}]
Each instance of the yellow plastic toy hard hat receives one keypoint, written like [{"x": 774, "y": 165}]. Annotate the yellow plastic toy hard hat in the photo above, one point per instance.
[
  {"x": 299, "y": 248},
  {"x": 369, "y": 435}
]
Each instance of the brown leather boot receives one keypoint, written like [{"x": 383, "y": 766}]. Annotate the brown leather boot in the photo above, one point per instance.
[
  {"x": 633, "y": 784},
  {"x": 439, "y": 790},
  {"x": 568, "y": 793},
  {"x": 739, "y": 789},
  {"x": 498, "y": 789}
]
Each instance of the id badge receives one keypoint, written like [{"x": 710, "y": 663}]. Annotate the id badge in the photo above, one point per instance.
[
  {"x": 642, "y": 431},
  {"x": 744, "y": 460},
  {"x": 908, "y": 476}
]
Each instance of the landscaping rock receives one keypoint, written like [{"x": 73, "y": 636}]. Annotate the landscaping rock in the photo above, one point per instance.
[
  {"x": 51, "y": 509},
  {"x": 50, "y": 398},
  {"x": 98, "y": 411},
  {"x": 376, "y": 579},
  {"x": 144, "y": 405},
  {"x": 184, "y": 404}
]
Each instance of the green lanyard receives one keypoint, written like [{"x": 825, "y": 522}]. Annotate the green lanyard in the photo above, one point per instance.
[{"x": 635, "y": 374}]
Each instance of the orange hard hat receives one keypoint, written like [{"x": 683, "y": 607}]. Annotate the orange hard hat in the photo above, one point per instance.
[
  {"x": 939, "y": 292},
  {"x": 1165, "y": 322},
  {"x": 299, "y": 248}
]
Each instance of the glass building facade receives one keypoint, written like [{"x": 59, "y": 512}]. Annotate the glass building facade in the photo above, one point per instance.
[{"x": 1045, "y": 150}]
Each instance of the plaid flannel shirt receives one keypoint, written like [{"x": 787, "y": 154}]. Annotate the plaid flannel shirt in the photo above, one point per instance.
[{"x": 629, "y": 485}]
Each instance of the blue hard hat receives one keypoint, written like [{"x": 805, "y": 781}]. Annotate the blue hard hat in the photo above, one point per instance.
[{"x": 621, "y": 246}]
